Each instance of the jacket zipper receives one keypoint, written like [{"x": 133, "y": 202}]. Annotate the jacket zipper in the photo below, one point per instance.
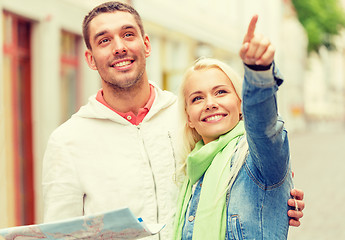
[
  {"x": 153, "y": 176},
  {"x": 173, "y": 152}
]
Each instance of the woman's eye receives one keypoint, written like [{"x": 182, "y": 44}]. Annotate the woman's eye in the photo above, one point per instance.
[
  {"x": 196, "y": 99},
  {"x": 221, "y": 92}
]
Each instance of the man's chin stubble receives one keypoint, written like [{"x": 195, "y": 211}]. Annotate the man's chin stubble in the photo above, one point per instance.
[{"x": 129, "y": 85}]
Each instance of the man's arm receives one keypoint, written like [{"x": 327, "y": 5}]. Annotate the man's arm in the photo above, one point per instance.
[{"x": 62, "y": 194}]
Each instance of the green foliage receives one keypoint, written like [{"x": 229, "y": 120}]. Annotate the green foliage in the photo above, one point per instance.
[{"x": 322, "y": 19}]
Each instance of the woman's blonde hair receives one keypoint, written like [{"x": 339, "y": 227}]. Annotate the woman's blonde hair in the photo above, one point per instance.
[{"x": 189, "y": 135}]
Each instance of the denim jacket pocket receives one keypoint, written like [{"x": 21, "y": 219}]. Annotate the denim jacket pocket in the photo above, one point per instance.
[{"x": 234, "y": 228}]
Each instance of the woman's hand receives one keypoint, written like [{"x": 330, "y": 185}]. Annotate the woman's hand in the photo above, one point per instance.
[{"x": 256, "y": 49}]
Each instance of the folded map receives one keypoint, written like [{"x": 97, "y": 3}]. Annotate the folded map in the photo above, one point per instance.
[{"x": 117, "y": 224}]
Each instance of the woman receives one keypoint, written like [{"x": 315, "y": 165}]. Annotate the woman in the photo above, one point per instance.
[{"x": 238, "y": 174}]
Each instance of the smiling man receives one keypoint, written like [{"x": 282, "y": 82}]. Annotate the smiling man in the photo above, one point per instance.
[
  {"x": 119, "y": 149},
  {"x": 118, "y": 50}
]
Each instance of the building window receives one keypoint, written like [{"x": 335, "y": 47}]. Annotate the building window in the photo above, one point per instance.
[
  {"x": 70, "y": 72},
  {"x": 18, "y": 120}
]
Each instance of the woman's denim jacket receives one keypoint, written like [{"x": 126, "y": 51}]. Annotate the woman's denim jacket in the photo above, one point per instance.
[{"x": 257, "y": 202}]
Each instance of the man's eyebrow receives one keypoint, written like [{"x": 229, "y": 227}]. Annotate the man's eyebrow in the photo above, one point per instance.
[
  {"x": 129, "y": 26},
  {"x": 99, "y": 34},
  {"x": 124, "y": 27}
]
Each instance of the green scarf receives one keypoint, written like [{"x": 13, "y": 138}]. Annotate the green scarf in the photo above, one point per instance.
[{"x": 213, "y": 159}]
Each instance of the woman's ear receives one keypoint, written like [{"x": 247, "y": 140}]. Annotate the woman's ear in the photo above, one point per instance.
[{"x": 189, "y": 122}]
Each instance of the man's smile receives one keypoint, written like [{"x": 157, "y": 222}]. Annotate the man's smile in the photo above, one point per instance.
[{"x": 122, "y": 64}]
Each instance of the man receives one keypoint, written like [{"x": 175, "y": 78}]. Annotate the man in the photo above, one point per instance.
[{"x": 119, "y": 149}]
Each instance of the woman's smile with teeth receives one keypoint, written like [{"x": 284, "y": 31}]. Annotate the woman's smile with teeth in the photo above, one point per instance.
[{"x": 213, "y": 118}]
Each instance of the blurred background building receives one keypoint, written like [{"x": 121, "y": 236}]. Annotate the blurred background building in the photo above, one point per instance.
[{"x": 44, "y": 78}]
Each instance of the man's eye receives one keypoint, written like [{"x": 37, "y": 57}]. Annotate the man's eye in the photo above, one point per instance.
[
  {"x": 104, "y": 41},
  {"x": 129, "y": 35}
]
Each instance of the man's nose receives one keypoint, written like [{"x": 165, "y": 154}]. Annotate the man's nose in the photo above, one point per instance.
[{"x": 119, "y": 47}]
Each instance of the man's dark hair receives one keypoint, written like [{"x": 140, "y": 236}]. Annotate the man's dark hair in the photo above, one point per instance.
[{"x": 109, "y": 7}]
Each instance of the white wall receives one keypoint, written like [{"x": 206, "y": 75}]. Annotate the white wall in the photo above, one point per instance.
[
  {"x": 49, "y": 18},
  {"x": 190, "y": 19}
]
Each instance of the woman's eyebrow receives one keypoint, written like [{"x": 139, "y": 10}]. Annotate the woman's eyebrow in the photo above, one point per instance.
[{"x": 193, "y": 93}]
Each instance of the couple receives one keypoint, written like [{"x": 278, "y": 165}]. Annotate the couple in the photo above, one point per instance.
[{"x": 121, "y": 148}]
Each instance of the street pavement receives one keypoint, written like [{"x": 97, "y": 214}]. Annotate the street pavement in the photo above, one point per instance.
[{"x": 318, "y": 160}]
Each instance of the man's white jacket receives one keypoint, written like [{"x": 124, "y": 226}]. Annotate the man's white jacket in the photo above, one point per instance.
[{"x": 97, "y": 161}]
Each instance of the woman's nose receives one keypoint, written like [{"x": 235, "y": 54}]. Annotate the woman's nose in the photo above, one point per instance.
[{"x": 211, "y": 104}]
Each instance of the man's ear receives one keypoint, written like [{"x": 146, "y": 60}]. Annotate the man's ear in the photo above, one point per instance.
[
  {"x": 147, "y": 44},
  {"x": 90, "y": 60}
]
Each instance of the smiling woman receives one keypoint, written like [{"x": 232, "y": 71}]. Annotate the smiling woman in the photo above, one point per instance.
[
  {"x": 214, "y": 106},
  {"x": 222, "y": 153},
  {"x": 237, "y": 176}
]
